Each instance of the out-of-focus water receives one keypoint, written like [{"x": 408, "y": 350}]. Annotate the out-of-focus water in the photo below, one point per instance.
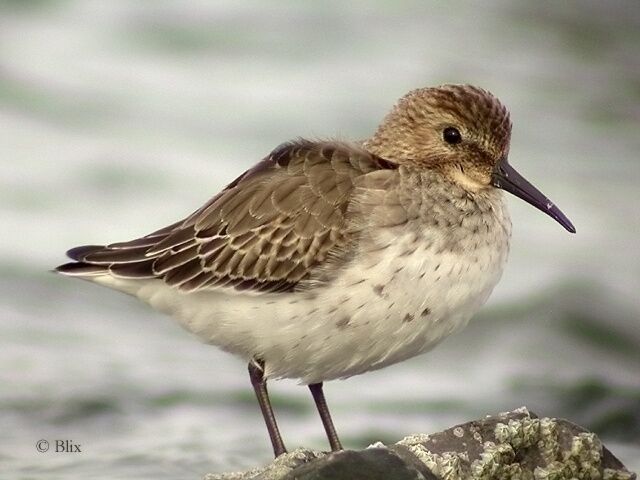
[{"x": 117, "y": 118}]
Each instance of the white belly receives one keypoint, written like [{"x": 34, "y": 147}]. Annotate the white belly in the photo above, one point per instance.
[{"x": 394, "y": 305}]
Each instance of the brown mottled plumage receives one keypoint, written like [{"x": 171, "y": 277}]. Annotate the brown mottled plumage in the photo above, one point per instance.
[
  {"x": 328, "y": 259},
  {"x": 264, "y": 232}
]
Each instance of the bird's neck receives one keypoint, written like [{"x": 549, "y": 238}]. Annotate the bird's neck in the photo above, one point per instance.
[{"x": 442, "y": 203}]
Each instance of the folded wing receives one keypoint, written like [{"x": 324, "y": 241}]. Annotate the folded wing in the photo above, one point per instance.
[{"x": 265, "y": 232}]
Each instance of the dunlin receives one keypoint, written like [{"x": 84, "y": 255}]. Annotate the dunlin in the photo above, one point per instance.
[{"x": 330, "y": 259}]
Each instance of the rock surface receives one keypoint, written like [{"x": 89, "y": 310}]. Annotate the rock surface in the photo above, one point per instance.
[{"x": 512, "y": 445}]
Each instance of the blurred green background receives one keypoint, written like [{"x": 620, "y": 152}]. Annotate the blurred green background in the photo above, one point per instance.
[{"x": 117, "y": 118}]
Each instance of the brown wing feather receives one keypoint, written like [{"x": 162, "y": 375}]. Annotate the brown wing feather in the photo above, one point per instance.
[{"x": 265, "y": 232}]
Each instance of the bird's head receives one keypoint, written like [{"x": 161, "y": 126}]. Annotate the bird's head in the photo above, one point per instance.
[{"x": 464, "y": 133}]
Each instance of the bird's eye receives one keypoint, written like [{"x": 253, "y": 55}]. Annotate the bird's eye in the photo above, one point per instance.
[{"x": 451, "y": 135}]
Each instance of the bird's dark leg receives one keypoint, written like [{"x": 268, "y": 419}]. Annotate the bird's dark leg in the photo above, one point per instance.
[
  {"x": 325, "y": 416},
  {"x": 256, "y": 373}
]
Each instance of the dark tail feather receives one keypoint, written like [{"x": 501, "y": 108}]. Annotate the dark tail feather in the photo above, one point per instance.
[
  {"x": 92, "y": 260},
  {"x": 81, "y": 269}
]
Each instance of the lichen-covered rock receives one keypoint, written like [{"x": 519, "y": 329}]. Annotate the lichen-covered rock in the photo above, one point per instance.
[{"x": 515, "y": 445}]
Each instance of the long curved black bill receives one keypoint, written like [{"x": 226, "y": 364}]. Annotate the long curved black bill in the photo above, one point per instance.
[{"x": 505, "y": 177}]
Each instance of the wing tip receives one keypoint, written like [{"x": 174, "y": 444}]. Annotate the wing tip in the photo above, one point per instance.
[{"x": 80, "y": 253}]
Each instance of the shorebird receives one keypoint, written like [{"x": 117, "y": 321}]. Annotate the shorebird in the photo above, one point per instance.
[{"x": 329, "y": 259}]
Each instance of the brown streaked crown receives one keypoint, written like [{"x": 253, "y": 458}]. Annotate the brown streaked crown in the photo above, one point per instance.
[{"x": 413, "y": 132}]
